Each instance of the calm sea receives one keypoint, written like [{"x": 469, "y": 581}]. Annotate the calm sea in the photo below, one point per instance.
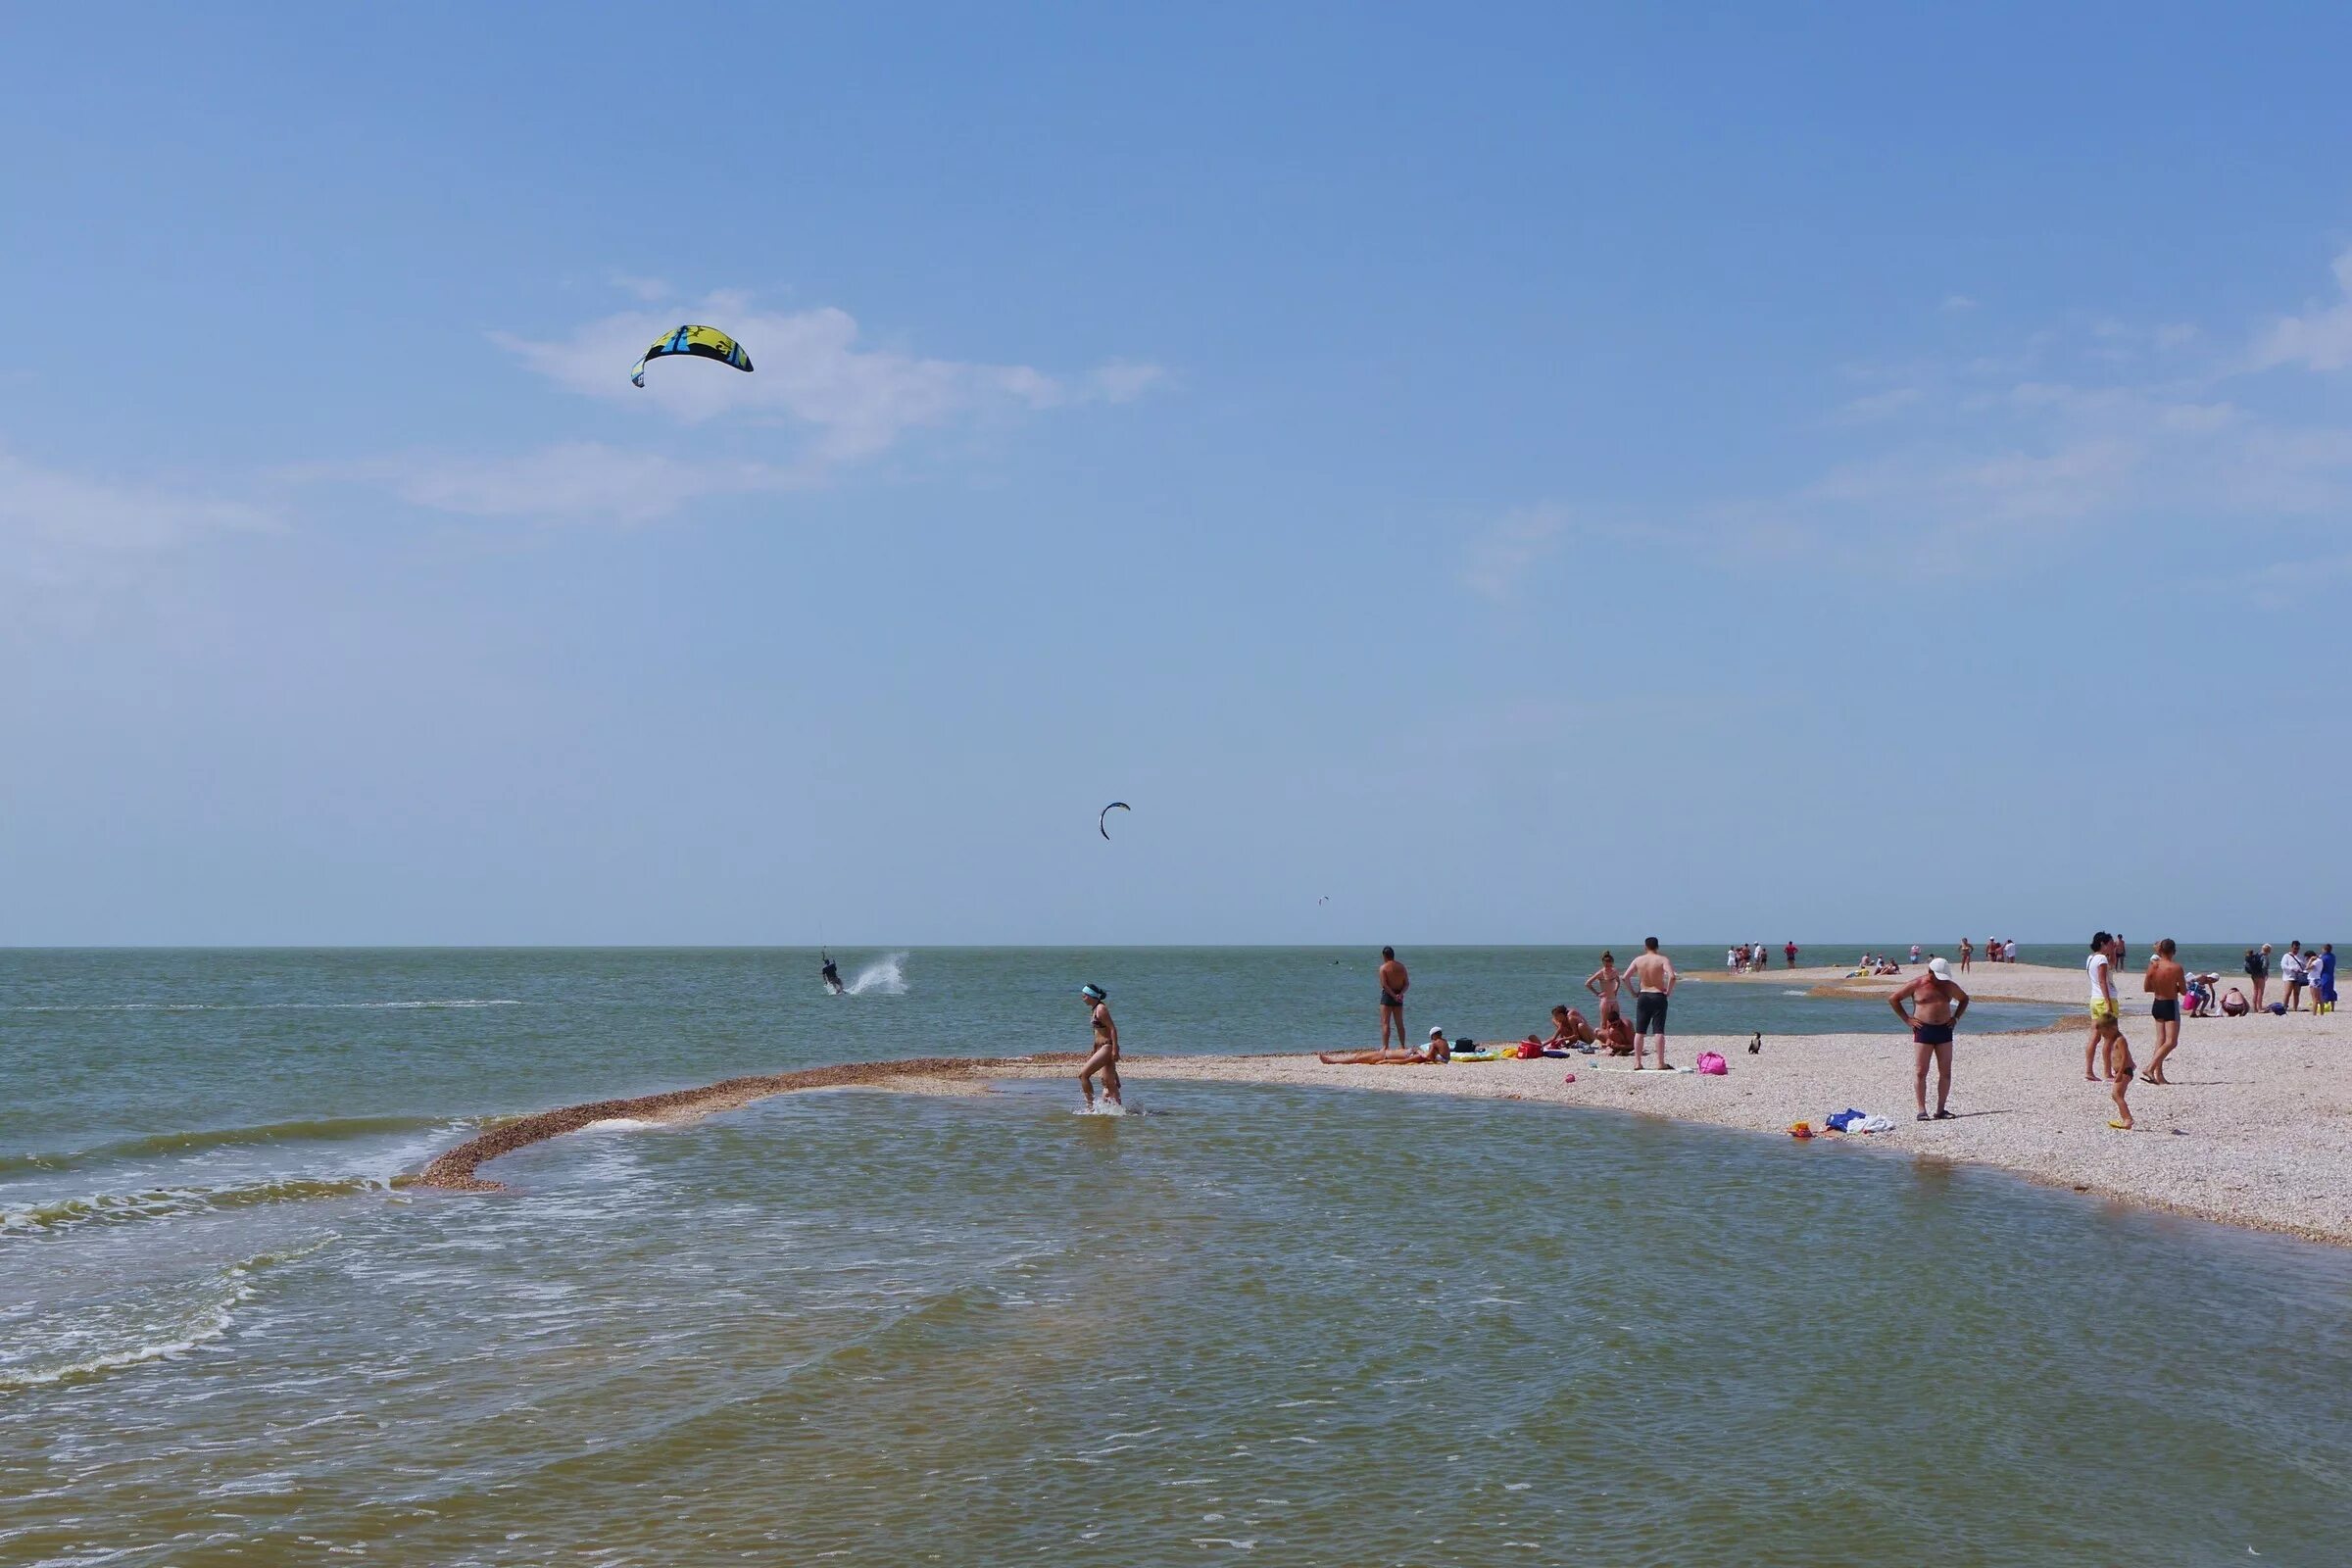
[{"x": 1308, "y": 1327}]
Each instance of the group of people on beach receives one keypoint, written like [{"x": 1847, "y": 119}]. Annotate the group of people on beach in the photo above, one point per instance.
[
  {"x": 2303, "y": 972},
  {"x": 1997, "y": 950},
  {"x": 1930, "y": 1007},
  {"x": 1753, "y": 957}
]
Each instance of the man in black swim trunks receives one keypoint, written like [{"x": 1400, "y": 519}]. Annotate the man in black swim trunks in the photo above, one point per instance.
[
  {"x": 1653, "y": 977},
  {"x": 1940, "y": 1002},
  {"x": 1392, "y": 984}
]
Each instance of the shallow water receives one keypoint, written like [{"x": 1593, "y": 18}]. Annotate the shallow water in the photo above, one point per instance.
[{"x": 1305, "y": 1326}]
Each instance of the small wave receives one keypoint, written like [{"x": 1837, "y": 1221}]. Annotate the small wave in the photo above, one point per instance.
[
  {"x": 154, "y": 1326},
  {"x": 323, "y": 1129},
  {"x": 260, "y": 1007},
  {"x": 621, "y": 1125},
  {"x": 173, "y": 1203},
  {"x": 885, "y": 976}
]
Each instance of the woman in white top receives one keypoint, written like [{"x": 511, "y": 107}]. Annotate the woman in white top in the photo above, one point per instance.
[{"x": 2290, "y": 971}]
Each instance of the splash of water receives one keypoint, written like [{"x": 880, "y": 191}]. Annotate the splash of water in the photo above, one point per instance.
[{"x": 885, "y": 976}]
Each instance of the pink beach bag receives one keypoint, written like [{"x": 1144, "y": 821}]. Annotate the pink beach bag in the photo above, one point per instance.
[{"x": 1711, "y": 1062}]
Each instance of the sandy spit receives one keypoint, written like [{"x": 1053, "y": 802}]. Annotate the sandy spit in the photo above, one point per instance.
[
  {"x": 456, "y": 1169},
  {"x": 2256, "y": 1130}
]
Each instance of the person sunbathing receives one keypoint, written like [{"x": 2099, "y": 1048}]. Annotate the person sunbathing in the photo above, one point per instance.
[
  {"x": 1617, "y": 1036},
  {"x": 1436, "y": 1051},
  {"x": 1568, "y": 1028}
]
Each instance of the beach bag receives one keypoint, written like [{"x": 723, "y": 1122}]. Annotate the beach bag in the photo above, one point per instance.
[
  {"x": 1530, "y": 1047},
  {"x": 1711, "y": 1062}
]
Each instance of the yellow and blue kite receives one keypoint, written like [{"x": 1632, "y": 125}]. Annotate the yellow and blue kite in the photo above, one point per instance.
[{"x": 707, "y": 342}]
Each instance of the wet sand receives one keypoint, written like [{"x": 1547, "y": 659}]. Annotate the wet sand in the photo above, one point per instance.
[{"x": 456, "y": 1170}]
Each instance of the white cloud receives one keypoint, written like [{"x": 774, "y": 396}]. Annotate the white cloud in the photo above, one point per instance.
[
  {"x": 2320, "y": 339},
  {"x": 61, "y": 529},
  {"x": 1504, "y": 553},
  {"x": 1878, "y": 405},
  {"x": 810, "y": 370},
  {"x": 577, "y": 480},
  {"x": 651, "y": 290},
  {"x": 1957, "y": 302}
]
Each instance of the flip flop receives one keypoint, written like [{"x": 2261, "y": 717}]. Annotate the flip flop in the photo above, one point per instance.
[
  {"x": 2121, "y": 1127},
  {"x": 1923, "y": 1116},
  {"x": 1944, "y": 1115}
]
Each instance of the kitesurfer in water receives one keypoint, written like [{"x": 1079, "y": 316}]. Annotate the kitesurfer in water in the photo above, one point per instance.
[
  {"x": 1105, "y": 1059},
  {"x": 832, "y": 974}
]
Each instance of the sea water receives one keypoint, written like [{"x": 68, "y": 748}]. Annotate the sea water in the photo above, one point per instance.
[{"x": 1312, "y": 1327}]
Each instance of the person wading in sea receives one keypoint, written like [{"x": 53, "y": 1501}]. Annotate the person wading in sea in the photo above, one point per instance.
[
  {"x": 1940, "y": 1002},
  {"x": 1394, "y": 982},
  {"x": 1653, "y": 977},
  {"x": 1105, "y": 1056}
]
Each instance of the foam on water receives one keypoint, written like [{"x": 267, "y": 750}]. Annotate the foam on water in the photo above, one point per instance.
[
  {"x": 153, "y": 1322},
  {"x": 885, "y": 976},
  {"x": 173, "y": 1203}
]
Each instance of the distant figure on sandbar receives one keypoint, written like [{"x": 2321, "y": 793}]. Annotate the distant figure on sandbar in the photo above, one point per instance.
[
  {"x": 1394, "y": 982},
  {"x": 1105, "y": 1056},
  {"x": 1653, "y": 977},
  {"x": 1940, "y": 1002}
]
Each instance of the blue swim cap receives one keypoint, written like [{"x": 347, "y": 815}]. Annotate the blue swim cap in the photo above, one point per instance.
[{"x": 1093, "y": 993}]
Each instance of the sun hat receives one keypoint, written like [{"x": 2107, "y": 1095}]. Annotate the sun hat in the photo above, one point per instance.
[
  {"x": 1437, "y": 1031},
  {"x": 1939, "y": 969}
]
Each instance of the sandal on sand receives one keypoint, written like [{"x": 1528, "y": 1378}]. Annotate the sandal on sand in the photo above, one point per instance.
[
  {"x": 1945, "y": 1115},
  {"x": 2121, "y": 1127},
  {"x": 1922, "y": 1116}
]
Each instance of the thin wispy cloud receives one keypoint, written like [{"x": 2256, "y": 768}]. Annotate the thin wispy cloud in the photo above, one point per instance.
[
  {"x": 2105, "y": 423},
  {"x": 1503, "y": 552},
  {"x": 815, "y": 374},
  {"x": 2318, "y": 339},
  {"x": 580, "y": 481},
  {"x": 62, "y": 530}
]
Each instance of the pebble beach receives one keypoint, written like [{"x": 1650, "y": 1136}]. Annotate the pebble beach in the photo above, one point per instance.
[{"x": 2256, "y": 1130}]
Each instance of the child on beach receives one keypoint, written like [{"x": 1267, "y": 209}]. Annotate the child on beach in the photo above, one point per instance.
[{"x": 2163, "y": 982}]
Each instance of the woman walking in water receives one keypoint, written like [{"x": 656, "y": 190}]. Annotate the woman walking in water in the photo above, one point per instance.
[{"x": 1105, "y": 1059}]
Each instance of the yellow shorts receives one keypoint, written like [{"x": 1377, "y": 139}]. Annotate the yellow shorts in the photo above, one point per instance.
[{"x": 2103, "y": 1013}]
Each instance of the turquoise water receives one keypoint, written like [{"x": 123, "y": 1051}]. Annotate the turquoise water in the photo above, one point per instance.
[{"x": 1301, "y": 1326}]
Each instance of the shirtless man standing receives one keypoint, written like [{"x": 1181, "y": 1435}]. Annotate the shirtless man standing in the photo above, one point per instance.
[
  {"x": 1105, "y": 1059},
  {"x": 1392, "y": 984},
  {"x": 2163, "y": 982},
  {"x": 1653, "y": 977},
  {"x": 1940, "y": 1002}
]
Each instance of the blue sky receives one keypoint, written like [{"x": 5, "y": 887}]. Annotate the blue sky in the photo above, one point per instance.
[{"x": 1839, "y": 472}]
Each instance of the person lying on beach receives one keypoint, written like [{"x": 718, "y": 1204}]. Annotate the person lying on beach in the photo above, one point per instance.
[
  {"x": 1436, "y": 1051},
  {"x": 1568, "y": 1028}
]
